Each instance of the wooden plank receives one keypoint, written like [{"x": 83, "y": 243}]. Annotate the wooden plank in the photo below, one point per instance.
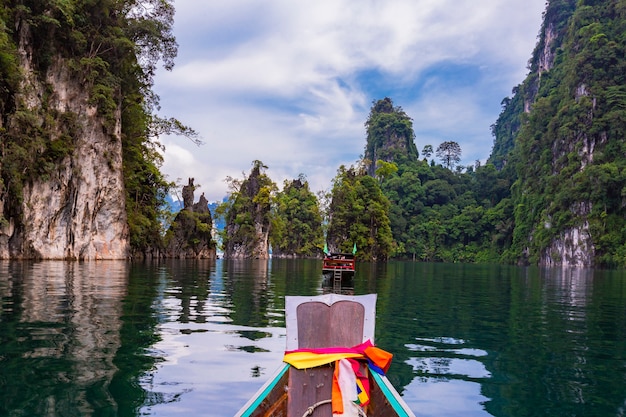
[
  {"x": 315, "y": 322},
  {"x": 320, "y": 325},
  {"x": 387, "y": 400},
  {"x": 315, "y": 328},
  {"x": 308, "y": 387}
]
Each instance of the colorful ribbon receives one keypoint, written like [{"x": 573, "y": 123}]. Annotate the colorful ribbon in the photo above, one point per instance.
[{"x": 347, "y": 375}]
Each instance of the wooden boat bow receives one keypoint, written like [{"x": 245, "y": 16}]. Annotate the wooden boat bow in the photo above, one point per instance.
[{"x": 317, "y": 322}]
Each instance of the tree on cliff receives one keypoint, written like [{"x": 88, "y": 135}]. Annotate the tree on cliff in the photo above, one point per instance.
[
  {"x": 450, "y": 153},
  {"x": 247, "y": 212},
  {"x": 359, "y": 214},
  {"x": 296, "y": 221},
  {"x": 147, "y": 24}
]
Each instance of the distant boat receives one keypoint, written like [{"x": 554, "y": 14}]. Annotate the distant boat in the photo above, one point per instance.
[
  {"x": 322, "y": 325},
  {"x": 338, "y": 265}
]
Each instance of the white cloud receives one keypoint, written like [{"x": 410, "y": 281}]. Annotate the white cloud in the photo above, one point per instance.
[{"x": 290, "y": 83}]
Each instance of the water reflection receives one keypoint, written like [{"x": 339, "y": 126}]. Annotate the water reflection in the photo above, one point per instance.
[
  {"x": 60, "y": 332},
  {"x": 535, "y": 331},
  {"x": 441, "y": 359},
  {"x": 573, "y": 284},
  {"x": 444, "y": 369},
  {"x": 567, "y": 294},
  {"x": 216, "y": 334},
  {"x": 200, "y": 337}
]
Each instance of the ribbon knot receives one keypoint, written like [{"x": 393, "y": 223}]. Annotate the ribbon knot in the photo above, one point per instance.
[{"x": 350, "y": 385}]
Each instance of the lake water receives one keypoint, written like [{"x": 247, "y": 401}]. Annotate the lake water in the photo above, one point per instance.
[{"x": 198, "y": 338}]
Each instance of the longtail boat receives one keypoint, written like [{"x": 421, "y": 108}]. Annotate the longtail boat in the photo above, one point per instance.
[
  {"x": 339, "y": 265},
  {"x": 325, "y": 325}
]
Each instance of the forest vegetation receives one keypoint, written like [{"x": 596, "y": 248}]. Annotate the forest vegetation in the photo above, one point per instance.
[
  {"x": 554, "y": 184},
  {"x": 248, "y": 214},
  {"x": 565, "y": 156},
  {"x": 296, "y": 228}
]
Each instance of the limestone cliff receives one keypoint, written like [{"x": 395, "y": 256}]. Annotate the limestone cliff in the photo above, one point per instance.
[
  {"x": 563, "y": 129},
  {"x": 390, "y": 135},
  {"x": 248, "y": 218},
  {"x": 190, "y": 235},
  {"x": 76, "y": 208}
]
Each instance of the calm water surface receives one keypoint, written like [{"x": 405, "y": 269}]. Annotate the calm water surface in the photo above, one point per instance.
[{"x": 199, "y": 338}]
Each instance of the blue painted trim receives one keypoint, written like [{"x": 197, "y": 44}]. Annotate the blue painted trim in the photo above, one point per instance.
[
  {"x": 263, "y": 393},
  {"x": 398, "y": 405}
]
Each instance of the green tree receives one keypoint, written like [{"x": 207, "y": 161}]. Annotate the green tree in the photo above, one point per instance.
[
  {"x": 359, "y": 214},
  {"x": 569, "y": 151},
  {"x": 113, "y": 49},
  {"x": 450, "y": 153},
  {"x": 427, "y": 151},
  {"x": 297, "y": 221},
  {"x": 385, "y": 169}
]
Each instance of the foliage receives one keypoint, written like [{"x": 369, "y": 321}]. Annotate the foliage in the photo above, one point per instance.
[
  {"x": 427, "y": 151},
  {"x": 9, "y": 69},
  {"x": 568, "y": 149},
  {"x": 296, "y": 221},
  {"x": 506, "y": 128},
  {"x": 385, "y": 169},
  {"x": 190, "y": 230},
  {"x": 359, "y": 214},
  {"x": 558, "y": 162},
  {"x": 436, "y": 215}
]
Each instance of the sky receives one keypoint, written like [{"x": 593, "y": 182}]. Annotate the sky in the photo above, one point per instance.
[{"x": 291, "y": 83}]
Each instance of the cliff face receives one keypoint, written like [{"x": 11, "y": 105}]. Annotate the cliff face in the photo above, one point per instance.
[
  {"x": 390, "y": 135},
  {"x": 77, "y": 210},
  {"x": 568, "y": 143}
]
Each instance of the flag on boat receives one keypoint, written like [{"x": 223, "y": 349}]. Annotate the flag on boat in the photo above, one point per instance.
[{"x": 354, "y": 249}]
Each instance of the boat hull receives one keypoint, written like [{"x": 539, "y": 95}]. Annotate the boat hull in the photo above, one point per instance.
[
  {"x": 317, "y": 322},
  {"x": 272, "y": 400}
]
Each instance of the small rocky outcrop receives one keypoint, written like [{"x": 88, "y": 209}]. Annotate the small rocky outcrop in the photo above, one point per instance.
[
  {"x": 190, "y": 235},
  {"x": 248, "y": 219}
]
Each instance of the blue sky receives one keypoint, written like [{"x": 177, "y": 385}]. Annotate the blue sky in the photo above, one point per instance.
[{"x": 291, "y": 83}]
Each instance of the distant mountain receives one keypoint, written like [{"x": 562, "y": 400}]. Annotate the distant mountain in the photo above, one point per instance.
[{"x": 174, "y": 205}]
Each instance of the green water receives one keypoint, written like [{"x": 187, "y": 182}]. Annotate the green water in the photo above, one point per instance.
[{"x": 199, "y": 338}]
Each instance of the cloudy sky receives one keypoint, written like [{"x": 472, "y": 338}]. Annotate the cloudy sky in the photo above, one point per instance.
[{"x": 291, "y": 83}]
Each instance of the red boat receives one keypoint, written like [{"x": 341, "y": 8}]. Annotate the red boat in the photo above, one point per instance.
[{"x": 338, "y": 265}]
